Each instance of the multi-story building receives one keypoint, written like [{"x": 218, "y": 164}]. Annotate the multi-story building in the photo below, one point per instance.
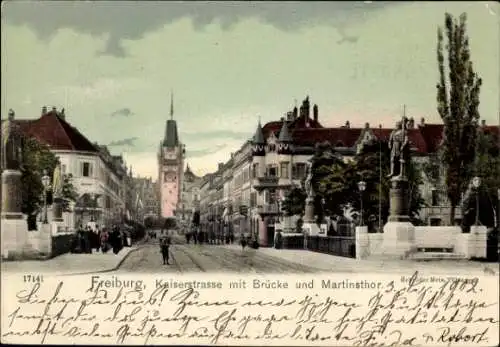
[
  {"x": 170, "y": 168},
  {"x": 97, "y": 177},
  {"x": 190, "y": 197},
  {"x": 146, "y": 199},
  {"x": 280, "y": 151}
]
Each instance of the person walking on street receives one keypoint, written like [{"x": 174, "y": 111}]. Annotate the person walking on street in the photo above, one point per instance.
[{"x": 165, "y": 242}]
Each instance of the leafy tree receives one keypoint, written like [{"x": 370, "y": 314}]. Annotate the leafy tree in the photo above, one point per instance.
[
  {"x": 170, "y": 223},
  {"x": 294, "y": 202},
  {"x": 330, "y": 175},
  {"x": 367, "y": 164},
  {"x": 488, "y": 169},
  {"x": 37, "y": 158},
  {"x": 457, "y": 104}
]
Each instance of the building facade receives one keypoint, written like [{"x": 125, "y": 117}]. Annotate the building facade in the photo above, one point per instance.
[
  {"x": 276, "y": 159},
  {"x": 98, "y": 177},
  {"x": 170, "y": 168}
]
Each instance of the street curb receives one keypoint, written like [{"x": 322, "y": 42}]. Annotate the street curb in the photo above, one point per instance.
[{"x": 116, "y": 267}]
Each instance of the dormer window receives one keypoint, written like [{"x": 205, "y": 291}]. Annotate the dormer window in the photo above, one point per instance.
[{"x": 271, "y": 147}]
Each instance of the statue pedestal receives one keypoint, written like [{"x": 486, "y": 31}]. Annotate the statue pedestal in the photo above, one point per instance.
[
  {"x": 399, "y": 209},
  {"x": 399, "y": 233},
  {"x": 57, "y": 211},
  {"x": 399, "y": 240},
  {"x": 309, "y": 211}
]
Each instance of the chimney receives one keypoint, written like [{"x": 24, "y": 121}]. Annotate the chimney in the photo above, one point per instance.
[
  {"x": 411, "y": 123},
  {"x": 295, "y": 113},
  {"x": 422, "y": 121},
  {"x": 12, "y": 115},
  {"x": 289, "y": 116},
  {"x": 54, "y": 109},
  {"x": 483, "y": 122},
  {"x": 367, "y": 125},
  {"x": 282, "y": 119},
  {"x": 347, "y": 124},
  {"x": 315, "y": 112},
  {"x": 44, "y": 110},
  {"x": 62, "y": 115}
]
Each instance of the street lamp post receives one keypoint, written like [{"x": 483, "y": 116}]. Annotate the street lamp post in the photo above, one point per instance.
[
  {"x": 45, "y": 182},
  {"x": 476, "y": 182},
  {"x": 361, "y": 187}
]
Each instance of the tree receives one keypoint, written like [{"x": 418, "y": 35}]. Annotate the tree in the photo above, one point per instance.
[
  {"x": 294, "y": 202},
  {"x": 367, "y": 166},
  {"x": 488, "y": 169},
  {"x": 457, "y": 104},
  {"x": 170, "y": 223},
  {"x": 37, "y": 158}
]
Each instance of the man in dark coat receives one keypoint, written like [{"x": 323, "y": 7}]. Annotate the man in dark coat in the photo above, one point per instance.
[{"x": 165, "y": 242}]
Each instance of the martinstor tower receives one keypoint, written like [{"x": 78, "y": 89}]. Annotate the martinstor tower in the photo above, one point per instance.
[{"x": 170, "y": 167}]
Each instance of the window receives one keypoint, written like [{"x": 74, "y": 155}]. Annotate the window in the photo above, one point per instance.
[
  {"x": 299, "y": 170},
  {"x": 272, "y": 170},
  {"x": 63, "y": 169},
  {"x": 255, "y": 170},
  {"x": 284, "y": 169},
  {"x": 435, "y": 197},
  {"x": 253, "y": 199},
  {"x": 86, "y": 169}
]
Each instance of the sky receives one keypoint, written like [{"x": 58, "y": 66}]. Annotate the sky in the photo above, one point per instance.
[{"x": 113, "y": 66}]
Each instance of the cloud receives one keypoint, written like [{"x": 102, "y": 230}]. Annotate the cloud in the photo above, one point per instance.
[
  {"x": 217, "y": 134},
  {"x": 125, "y": 112},
  {"x": 130, "y": 141},
  {"x": 122, "y": 21},
  {"x": 204, "y": 152}
]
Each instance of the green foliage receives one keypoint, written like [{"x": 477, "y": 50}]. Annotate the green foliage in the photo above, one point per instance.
[
  {"x": 149, "y": 222},
  {"x": 170, "y": 223},
  {"x": 69, "y": 193},
  {"x": 294, "y": 203},
  {"x": 457, "y": 104},
  {"x": 36, "y": 158},
  {"x": 488, "y": 169}
]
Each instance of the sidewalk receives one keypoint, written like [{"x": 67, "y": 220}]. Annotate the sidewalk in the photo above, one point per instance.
[
  {"x": 326, "y": 262},
  {"x": 71, "y": 264}
]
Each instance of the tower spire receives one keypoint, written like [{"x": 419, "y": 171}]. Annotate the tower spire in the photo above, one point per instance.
[{"x": 171, "y": 105}]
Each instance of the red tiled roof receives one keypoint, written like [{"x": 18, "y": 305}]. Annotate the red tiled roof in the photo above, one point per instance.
[
  {"x": 55, "y": 132},
  {"x": 299, "y": 123},
  {"x": 432, "y": 135},
  {"x": 308, "y": 137}
]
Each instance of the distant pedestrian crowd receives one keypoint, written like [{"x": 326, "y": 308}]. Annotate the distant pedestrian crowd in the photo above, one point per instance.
[{"x": 100, "y": 239}]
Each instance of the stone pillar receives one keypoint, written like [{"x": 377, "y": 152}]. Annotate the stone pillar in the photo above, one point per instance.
[
  {"x": 399, "y": 233},
  {"x": 13, "y": 226},
  {"x": 11, "y": 194}
]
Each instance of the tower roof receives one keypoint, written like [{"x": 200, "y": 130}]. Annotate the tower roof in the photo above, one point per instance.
[
  {"x": 284, "y": 133},
  {"x": 171, "y": 138},
  {"x": 258, "y": 138}
]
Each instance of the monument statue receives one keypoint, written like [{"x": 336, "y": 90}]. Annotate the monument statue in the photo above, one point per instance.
[
  {"x": 11, "y": 146},
  {"x": 308, "y": 181},
  {"x": 398, "y": 144},
  {"x": 57, "y": 183}
]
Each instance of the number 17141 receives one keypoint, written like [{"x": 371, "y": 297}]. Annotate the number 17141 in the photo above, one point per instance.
[{"x": 32, "y": 278}]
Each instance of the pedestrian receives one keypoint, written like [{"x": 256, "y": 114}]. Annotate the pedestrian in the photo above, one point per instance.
[
  {"x": 105, "y": 240},
  {"x": 165, "y": 242}
]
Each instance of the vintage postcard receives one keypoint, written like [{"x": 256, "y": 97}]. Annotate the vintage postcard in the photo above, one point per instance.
[{"x": 250, "y": 173}]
